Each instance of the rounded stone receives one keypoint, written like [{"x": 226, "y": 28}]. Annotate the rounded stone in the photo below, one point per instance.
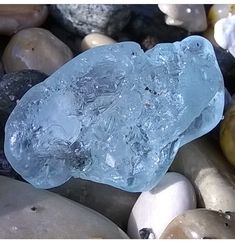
[
  {"x": 155, "y": 209},
  {"x": 227, "y": 135},
  {"x": 15, "y": 17},
  {"x": 201, "y": 224},
  {"x": 192, "y": 17},
  {"x": 95, "y": 39},
  {"x": 35, "y": 48},
  {"x": 111, "y": 202},
  {"x": 87, "y": 18},
  {"x": 29, "y": 213},
  {"x": 14, "y": 85},
  {"x": 203, "y": 163}
]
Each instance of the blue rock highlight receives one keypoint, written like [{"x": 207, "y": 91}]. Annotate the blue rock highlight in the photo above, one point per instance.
[{"x": 116, "y": 115}]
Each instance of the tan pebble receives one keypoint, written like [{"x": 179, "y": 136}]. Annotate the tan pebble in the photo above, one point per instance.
[
  {"x": 15, "y": 17},
  {"x": 95, "y": 39},
  {"x": 35, "y": 48},
  {"x": 219, "y": 11},
  {"x": 201, "y": 224},
  {"x": 227, "y": 135},
  {"x": 203, "y": 163}
]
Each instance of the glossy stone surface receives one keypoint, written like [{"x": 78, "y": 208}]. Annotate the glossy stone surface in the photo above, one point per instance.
[
  {"x": 189, "y": 16},
  {"x": 113, "y": 203},
  {"x": 203, "y": 163},
  {"x": 116, "y": 115},
  {"x": 14, "y": 85},
  {"x": 155, "y": 209},
  {"x": 29, "y": 213},
  {"x": 95, "y": 39},
  {"x": 14, "y": 17},
  {"x": 37, "y": 49},
  {"x": 84, "y": 19},
  {"x": 227, "y": 135},
  {"x": 201, "y": 224}
]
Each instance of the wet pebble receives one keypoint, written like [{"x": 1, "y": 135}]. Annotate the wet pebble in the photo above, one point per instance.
[
  {"x": 30, "y": 213},
  {"x": 155, "y": 209},
  {"x": 192, "y": 17},
  {"x": 227, "y": 135},
  {"x": 14, "y": 85},
  {"x": 203, "y": 163},
  {"x": 84, "y": 19},
  {"x": 16, "y": 17},
  {"x": 95, "y": 39},
  {"x": 201, "y": 224},
  {"x": 37, "y": 49},
  {"x": 111, "y": 202}
]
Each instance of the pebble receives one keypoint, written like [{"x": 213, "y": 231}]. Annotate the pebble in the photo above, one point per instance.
[
  {"x": 95, "y": 39},
  {"x": 224, "y": 33},
  {"x": 30, "y": 213},
  {"x": 155, "y": 209},
  {"x": 216, "y": 12},
  {"x": 201, "y": 224},
  {"x": 203, "y": 163},
  {"x": 35, "y": 48},
  {"x": 227, "y": 135},
  {"x": 14, "y": 85},
  {"x": 16, "y": 17},
  {"x": 111, "y": 202},
  {"x": 192, "y": 17},
  {"x": 84, "y": 19}
]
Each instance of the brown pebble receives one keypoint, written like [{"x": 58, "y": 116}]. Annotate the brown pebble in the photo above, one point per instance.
[
  {"x": 15, "y": 17},
  {"x": 201, "y": 224},
  {"x": 35, "y": 48}
]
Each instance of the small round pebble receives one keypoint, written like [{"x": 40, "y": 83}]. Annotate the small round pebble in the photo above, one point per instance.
[
  {"x": 227, "y": 135},
  {"x": 95, "y": 39},
  {"x": 37, "y": 49},
  {"x": 201, "y": 224},
  {"x": 16, "y": 17}
]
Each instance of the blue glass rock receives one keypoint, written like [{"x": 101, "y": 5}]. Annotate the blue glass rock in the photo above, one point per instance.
[{"x": 116, "y": 115}]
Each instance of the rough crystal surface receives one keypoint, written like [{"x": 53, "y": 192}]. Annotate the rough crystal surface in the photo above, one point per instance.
[{"x": 116, "y": 115}]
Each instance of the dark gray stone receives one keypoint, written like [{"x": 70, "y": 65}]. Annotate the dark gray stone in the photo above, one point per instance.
[
  {"x": 14, "y": 85},
  {"x": 113, "y": 203},
  {"x": 86, "y": 18}
]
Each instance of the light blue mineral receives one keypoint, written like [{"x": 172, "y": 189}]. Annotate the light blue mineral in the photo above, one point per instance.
[{"x": 116, "y": 115}]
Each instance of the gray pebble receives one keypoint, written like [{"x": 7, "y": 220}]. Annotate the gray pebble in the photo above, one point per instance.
[
  {"x": 86, "y": 18},
  {"x": 14, "y": 85}
]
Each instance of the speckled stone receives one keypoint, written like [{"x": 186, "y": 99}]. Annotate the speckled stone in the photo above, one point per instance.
[
  {"x": 37, "y": 49},
  {"x": 14, "y": 85},
  {"x": 203, "y": 163},
  {"x": 18, "y": 16},
  {"x": 201, "y": 224},
  {"x": 111, "y": 202},
  {"x": 86, "y": 18}
]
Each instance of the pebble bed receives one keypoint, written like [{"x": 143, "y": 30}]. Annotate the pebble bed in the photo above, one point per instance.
[{"x": 196, "y": 197}]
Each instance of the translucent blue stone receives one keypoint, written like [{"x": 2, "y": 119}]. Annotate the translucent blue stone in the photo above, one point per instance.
[{"x": 116, "y": 115}]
